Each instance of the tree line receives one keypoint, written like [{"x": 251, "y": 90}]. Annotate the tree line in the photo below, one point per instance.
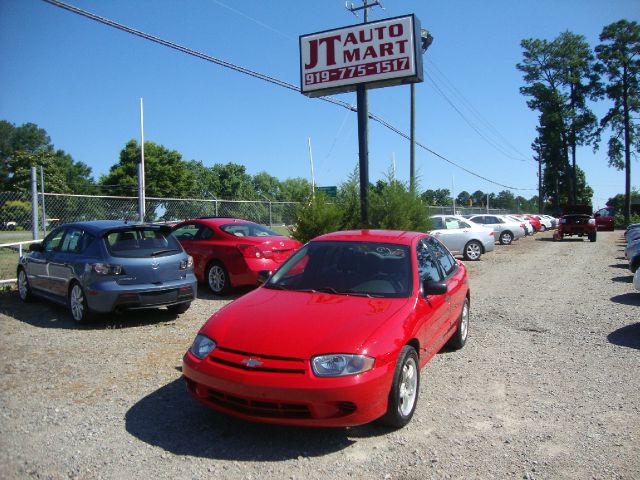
[{"x": 562, "y": 76}]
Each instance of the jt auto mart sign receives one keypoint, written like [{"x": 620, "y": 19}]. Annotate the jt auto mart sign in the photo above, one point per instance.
[{"x": 379, "y": 54}]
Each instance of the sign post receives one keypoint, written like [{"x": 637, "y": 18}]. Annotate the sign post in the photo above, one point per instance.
[{"x": 358, "y": 58}]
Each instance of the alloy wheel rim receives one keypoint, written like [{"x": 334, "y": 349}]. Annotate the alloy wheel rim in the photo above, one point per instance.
[
  {"x": 216, "y": 278},
  {"x": 464, "y": 321},
  {"x": 408, "y": 387},
  {"x": 77, "y": 303},
  {"x": 507, "y": 238},
  {"x": 473, "y": 251},
  {"x": 22, "y": 285}
]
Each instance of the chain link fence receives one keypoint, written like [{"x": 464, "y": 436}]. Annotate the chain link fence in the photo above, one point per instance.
[
  {"x": 55, "y": 209},
  {"x": 449, "y": 210}
]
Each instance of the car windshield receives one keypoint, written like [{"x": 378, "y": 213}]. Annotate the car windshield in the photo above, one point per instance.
[
  {"x": 142, "y": 242},
  {"x": 347, "y": 268},
  {"x": 248, "y": 230}
]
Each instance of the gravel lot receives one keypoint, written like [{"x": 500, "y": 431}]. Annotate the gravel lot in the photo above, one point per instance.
[{"x": 547, "y": 387}]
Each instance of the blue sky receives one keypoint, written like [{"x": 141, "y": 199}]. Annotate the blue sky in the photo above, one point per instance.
[{"x": 82, "y": 82}]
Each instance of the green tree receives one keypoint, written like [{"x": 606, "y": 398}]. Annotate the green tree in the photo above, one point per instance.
[
  {"x": 479, "y": 198},
  {"x": 166, "y": 174},
  {"x": 505, "y": 199},
  {"x": 463, "y": 199},
  {"x": 393, "y": 206},
  {"x": 295, "y": 190},
  {"x": 438, "y": 197},
  {"x": 28, "y": 145},
  {"x": 232, "y": 182},
  {"x": 266, "y": 185},
  {"x": 619, "y": 60},
  {"x": 560, "y": 78}
]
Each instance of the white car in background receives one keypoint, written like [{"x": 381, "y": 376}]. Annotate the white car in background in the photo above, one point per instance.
[
  {"x": 505, "y": 229},
  {"x": 636, "y": 279},
  {"x": 462, "y": 237}
]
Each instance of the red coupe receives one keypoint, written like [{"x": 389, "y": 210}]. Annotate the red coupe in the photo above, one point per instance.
[
  {"x": 229, "y": 252},
  {"x": 337, "y": 335}
]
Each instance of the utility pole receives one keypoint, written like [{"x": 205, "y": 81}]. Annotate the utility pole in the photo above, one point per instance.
[
  {"x": 363, "y": 127},
  {"x": 141, "y": 179}
]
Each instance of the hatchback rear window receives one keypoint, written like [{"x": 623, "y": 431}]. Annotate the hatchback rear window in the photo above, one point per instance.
[
  {"x": 248, "y": 230},
  {"x": 141, "y": 243}
]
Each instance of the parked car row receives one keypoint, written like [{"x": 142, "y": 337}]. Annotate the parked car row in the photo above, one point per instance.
[
  {"x": 471, "y": 236},
  {"x": 335, "y": 336}
]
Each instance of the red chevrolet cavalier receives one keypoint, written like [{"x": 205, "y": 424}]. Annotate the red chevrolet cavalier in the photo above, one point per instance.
[{"x": 337, "y": 335}]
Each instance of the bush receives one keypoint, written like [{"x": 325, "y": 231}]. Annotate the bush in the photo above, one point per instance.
[
  {"x": 17, "y": 211},
  {"x": 316, "y": 218},
  {"x": 619, "y": 222},
  {"x": 391, "y": 206}
]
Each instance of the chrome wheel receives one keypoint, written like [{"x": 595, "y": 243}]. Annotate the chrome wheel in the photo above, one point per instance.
[
  {"x": 464, "y": 321},
  {"x": 408, "y": 387},
  {"x": 506, "y": 238},
  {"x": 77, "y": 304},
  {"x": 542, "y": 228},
  {"x": 217, "y": 278},
  {"x": 24, "y": 290},
  {"x": 473, "y": 250}
]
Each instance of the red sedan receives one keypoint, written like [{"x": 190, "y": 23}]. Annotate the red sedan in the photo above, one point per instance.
[
  {"x": 229, "y": 252},
  {"x": 337, "y": 335}
]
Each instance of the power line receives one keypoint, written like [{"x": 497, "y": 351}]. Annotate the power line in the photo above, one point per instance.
[
  {"x": 498, "y": 136},
  {"x": 267, "y": 78}
]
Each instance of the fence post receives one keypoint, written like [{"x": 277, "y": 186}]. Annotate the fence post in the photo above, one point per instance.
[
  {"x": 44, "y": 212},
  {"x": 34, "y": 204}
]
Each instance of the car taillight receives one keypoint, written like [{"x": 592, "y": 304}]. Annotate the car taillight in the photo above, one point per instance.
[
  {"x": 188, "y": 263},
  {"x": 253, "y": 251},
  {"x": 107, "y": 269}
]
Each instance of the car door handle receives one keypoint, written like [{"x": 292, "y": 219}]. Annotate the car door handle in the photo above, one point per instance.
[{"x": 437, "y": 233}]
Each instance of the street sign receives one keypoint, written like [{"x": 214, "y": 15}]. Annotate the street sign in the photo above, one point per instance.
[{"x": 331, "y": 192}]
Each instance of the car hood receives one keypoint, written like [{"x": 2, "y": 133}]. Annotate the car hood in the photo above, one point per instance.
[{"x": 300, "y": 324}]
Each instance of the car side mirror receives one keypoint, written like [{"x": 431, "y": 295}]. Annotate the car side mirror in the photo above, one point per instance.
[
  {"x": 36, "y": 247},
  {"x": 429, "y": 287},
  {"x": 263, "y": 276}
]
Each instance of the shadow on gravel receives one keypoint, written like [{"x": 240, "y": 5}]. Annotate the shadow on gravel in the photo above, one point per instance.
[
  {"x": 206, "y": 294},
  {"x": 628, "y": 336},
  {"x": 170, "y": 419},
  {"x": 625, "y": 279},
  {"x": 632, "y": 298},
  {"x": 43, "y": 314},
  {"x": 620, "y": 265}
]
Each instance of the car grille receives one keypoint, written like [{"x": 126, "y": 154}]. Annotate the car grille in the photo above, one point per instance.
[
  {"x": 258, "y": 408},
  {"x": 256, "y": 362}
]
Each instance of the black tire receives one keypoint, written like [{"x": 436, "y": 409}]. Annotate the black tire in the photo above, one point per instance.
[
  {"x": 217, "y": 278},
  {"x": 506, "y": 238},
  {"x": 179, "y": 308},
  {"x": 472, "y": 250},
  {"x": 460, "y": 337},
  {"x": 403, "y": 396},
  {"x": 24, "y": 288},
  {"x": 592, "y": 237},
  {"x": 77, "y": 303},
  {"x": 543, "y": 228}
]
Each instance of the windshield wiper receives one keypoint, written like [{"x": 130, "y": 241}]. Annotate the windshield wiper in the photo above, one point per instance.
[{"x": 160, "y": 252}]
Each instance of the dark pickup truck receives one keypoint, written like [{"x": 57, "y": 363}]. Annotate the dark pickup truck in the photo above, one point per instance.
[{"x": 577, "y": 220}]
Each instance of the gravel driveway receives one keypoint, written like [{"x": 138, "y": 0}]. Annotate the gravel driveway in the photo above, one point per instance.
[{"x": 547, "y": 387}]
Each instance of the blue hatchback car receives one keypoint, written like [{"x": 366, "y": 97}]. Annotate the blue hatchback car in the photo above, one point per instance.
[{"x": 104, "y": 266}]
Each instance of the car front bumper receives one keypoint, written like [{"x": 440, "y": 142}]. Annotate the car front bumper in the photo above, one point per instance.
[{"x": 292, "y": 398}]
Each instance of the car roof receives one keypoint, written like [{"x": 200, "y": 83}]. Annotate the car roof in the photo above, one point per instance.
[
  {"x": 386, "y": 236},
  {"x": 218, "y": 220},
  {"x": 99, "y": 226}
]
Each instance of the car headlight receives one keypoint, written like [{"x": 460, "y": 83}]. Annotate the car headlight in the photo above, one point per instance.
[
  {"x": 592, "y": 221},
  {"x": 202, "y": 346},
  {"x": 338, "y": 365}
]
